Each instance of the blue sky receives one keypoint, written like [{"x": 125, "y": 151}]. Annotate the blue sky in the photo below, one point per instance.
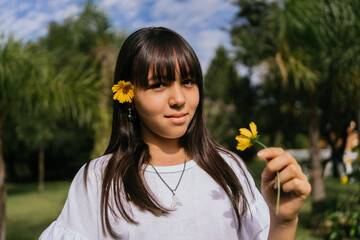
[{"x": 198, "y": 21}]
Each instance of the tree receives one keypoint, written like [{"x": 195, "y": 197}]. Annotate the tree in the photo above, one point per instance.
[
  {"x": 229, "y": 99},
  {"x": 299, "y": 43},
  {"x": 12, "y": 58},
  {"x": 55, "y": 96},
  {"x": 89, "y": 36}
]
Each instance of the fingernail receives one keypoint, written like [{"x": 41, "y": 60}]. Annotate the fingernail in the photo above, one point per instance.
[
  {"x": 276, "y": 184},
  {"x": 260, "y": 154}
]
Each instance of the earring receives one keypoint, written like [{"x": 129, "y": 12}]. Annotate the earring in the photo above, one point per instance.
[{"x": 131, "y": 115}]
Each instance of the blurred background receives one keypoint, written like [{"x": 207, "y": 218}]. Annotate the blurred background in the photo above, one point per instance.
[{"x": 291, "y": 66}]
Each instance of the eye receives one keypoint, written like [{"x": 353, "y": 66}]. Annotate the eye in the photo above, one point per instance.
[
  {"x": 157, "y": 85},
  {"x": 188, "y": 82}
]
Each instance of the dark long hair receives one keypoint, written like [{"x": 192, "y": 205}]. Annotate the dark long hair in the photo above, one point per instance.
[{"x": 159, "y": 50}]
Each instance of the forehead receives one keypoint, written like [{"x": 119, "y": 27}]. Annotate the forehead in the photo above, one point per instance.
[
  {"x": 162, "y": 68},
  {"x": 168, "y": 73}
]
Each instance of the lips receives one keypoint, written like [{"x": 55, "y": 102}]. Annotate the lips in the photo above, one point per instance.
[
  {"x": 177, "y": 118},
  {"x": 177, "y": 115}
]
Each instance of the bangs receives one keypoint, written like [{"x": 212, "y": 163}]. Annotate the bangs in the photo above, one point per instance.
[{"x": 165, "y": 56}]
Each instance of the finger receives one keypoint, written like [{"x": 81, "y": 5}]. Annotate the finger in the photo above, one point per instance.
[
  {"x": 277, "y": 164},
  {"x": 270, "y": 153},
  {"x": 291, "y": 171},
  {"x": 298, "y": 186}
]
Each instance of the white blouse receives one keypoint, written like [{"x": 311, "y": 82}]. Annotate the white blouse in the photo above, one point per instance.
[{"x": 205, "y": 211}]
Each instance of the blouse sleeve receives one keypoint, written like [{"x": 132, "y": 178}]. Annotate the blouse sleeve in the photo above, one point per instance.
[
  {"x": 80, "y": 216},
  {"x": 256, "y": 221},
  {"x": 56, "y": 231}
]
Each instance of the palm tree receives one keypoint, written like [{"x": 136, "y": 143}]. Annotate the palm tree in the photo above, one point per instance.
[
  {"x": 69, "y": 95},
  {"x": 37, "y": 96},
  {"x": 91, "y": 36},
  {"x": 14, "y": 66},
  {"x": 304, "y": 45}
]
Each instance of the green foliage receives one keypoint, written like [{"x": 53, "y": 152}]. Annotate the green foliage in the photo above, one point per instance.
[
  {"x": 337, "y": 216},
  {"x": 15, "y": 68},
  {"x": 229, "y": 100},
  {"x": 342, "y": 225},
  {"x": 220, "y": 76},
  {"x": 304, "y": 46},
  {"x": 309, "y": 67},
  {"x": 340, "y": 215},
  {"x": 220, "y": 116},
  {"x": 64, "y": 85},
  {"x": 90, "y": 39}
]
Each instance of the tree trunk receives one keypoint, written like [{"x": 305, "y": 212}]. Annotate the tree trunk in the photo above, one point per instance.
[
  {"x": 318, "y": 190},
  {"x": 106, "y": 56},
  {"x": 41, "y": 169},
  {"x": 2, "y": 193}
]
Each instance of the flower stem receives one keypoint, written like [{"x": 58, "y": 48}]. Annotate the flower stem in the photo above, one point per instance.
[
  {"x": 278, "y": 194},
  {"x": 278, "y": 183},
  {"x": 261, "y": 144}
]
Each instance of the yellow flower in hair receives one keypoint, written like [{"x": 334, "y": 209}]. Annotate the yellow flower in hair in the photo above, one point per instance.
[
  {"x": 123, "y": 91},
  {"x": 247, "y": 137}
]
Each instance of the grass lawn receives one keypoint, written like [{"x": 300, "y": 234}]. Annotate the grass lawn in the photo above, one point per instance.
[{"x": 30, "y": 212}]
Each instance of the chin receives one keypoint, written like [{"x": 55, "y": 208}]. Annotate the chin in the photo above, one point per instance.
[{"x": 176, "y": 135}]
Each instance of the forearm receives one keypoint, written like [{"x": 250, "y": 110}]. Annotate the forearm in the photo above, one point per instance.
[{"x": 282, "y": 230}]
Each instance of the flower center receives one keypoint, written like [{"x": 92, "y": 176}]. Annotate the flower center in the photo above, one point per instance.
[{"x": 126, "y": 88}]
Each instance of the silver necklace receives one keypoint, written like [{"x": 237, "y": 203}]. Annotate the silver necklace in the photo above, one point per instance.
[{"x": 175, "y": 200}]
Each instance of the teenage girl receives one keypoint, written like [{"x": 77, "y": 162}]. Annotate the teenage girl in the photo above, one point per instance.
[{"x": 162, "y": 177}]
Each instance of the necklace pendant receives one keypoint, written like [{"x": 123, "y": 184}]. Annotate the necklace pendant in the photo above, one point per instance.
[{"x": 175, "y": 202}]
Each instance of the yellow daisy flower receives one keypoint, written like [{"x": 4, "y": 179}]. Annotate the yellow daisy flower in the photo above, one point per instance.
[
  {"x": 247, "y": 137},
  {"x": 123, "y": 91},
  {"x": 344, "y": 179}
]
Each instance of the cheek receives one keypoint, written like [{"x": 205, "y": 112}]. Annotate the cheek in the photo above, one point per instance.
[
  {"x": 147, "y": 109},
  {"x": 194, "y": 100},
  {"x": 145, "y": 104}
]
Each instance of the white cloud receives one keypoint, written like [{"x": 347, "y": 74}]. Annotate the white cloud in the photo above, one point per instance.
[
  {"x": 67, "y": 11},
  {"x": 124, "y": 9},
  {"x": 206, "y": 43},
  {"x": 24, "y": 6},
  {"x": 197, "y": 21}
]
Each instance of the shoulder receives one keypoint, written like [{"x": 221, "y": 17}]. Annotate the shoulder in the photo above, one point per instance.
[
  {"x": 240, "y": 169},
  {"x": 94, "y": 168},
  {"x": 79, "y": 218},
  {"x": 233, "y": 160},
  {"x": 88, "y": 179}
]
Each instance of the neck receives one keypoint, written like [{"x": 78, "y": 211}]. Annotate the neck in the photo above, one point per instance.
[{"x": 166, "y": 153}]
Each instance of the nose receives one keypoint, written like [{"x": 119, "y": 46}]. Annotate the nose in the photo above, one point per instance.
[{"x": 176, "y": 98}]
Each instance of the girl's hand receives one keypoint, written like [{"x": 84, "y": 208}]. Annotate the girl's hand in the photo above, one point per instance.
[{"x": 295, "y": 186}]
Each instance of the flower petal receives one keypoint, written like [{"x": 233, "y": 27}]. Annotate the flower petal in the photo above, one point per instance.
[
  {"x": 123, "y": 91},
  {"x": 116, "y": 95},
  {"x": 115, "y": 88},
  {"x": 243, "y": 142},
  {"x": 253, "y": 129},
  {"x": 246, "y": 132}
]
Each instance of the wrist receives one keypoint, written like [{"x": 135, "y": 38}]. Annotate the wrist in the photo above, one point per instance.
[
  {"x": 282, "y": 228},
  {"x": 286, "y": 221}
]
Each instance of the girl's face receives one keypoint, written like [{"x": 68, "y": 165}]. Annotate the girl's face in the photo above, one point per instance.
[{"x": 165, "y": 109}]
